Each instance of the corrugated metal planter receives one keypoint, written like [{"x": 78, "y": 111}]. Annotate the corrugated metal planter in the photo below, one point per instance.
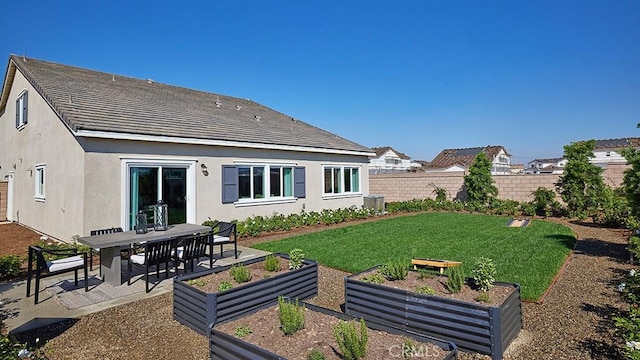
[
  {"x": 198, "y": 309},
  {"x": 223, "y": 346},
  {"x": 471, "y": 326}
]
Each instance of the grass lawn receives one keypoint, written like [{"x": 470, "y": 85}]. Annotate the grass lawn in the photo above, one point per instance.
[{"x": 528, "y": 256}]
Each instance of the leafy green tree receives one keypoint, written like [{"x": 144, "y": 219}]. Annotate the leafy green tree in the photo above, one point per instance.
[
  {"x": 581, "y": 186},
  {"x": 478, "y": 182},
  {"x": 631, "y": 180}
]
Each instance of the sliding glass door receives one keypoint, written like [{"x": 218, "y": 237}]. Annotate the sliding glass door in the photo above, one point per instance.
[{"x": 149, "y": 183}]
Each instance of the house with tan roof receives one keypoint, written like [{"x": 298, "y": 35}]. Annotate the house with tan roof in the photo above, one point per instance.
[
  {"x": 460, "y": 160},
  {"x": 387, "y": 159},
  {"x": 84, "y": 149}
]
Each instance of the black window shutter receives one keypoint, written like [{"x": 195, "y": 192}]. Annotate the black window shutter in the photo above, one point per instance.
[
  {"x": 24, "y": 107},
  {"x": 18, "y": 113},
  {"x": 229, "y": 184},
  {"x": 299, "y": 188}
]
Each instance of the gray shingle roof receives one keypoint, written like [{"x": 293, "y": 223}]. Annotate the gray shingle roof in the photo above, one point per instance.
[{"x": 97, "y": 101}]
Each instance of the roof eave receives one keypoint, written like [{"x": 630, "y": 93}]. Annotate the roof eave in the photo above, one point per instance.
[
  {"x": 6, "y": 84},
  {"x": 210, "y": 142}
]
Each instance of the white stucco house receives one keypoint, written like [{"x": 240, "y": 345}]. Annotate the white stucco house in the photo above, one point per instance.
[
  {"x": 546, "y": 166},
  {"x": 449, "y": 160},
  {"x": 608, "y": 151},
  {"x": 84, "y": 149},
  {"x": 387, "y": 159}
]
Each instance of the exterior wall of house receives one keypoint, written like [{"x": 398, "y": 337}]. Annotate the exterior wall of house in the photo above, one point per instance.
[
  {"x": 402, "y": 187},
  {"x": 4, "y": 185},
  {"x": 607, "y": 156},
  {"x": 104, "y": 179},
  {"x": 501, "y": 164},
  {"x": 389, "y": 161},
  {"x": 43, "y": 140}
]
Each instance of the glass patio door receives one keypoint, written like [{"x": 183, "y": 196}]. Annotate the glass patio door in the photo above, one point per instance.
[{"x": 148, "y": 184}]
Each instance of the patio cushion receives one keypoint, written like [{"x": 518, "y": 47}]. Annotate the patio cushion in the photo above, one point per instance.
[
  {"x": 219, "y": 239},
  {"x": 66, "y": 263},
  {"x": 137, "y": 259}
]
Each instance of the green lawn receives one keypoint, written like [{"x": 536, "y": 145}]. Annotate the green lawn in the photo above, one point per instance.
[{"x": 528, "y": 256}]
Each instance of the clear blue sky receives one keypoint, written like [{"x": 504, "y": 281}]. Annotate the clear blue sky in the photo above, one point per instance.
[{"x": 420, "y": 76}]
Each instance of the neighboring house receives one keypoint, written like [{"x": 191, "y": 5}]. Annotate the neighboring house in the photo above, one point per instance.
[
  {"x": 84, "y": 150},
  {"x": 460, "y": 160},
  {"x": 516, "y": 169},
  {"x": 387, "y": 159},
  {"x": 546, "y": 166},
  {"x": 608, "y": 151}
]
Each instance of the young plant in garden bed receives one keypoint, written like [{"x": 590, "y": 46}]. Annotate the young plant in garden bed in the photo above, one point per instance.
[
  {"x": 272, "y": 263},
  {"x": 240, "y": 273},
  {"x": 326, "y": 335},
  {"x": 291, "y": 316},
  {"x": 394, "y": 271}
]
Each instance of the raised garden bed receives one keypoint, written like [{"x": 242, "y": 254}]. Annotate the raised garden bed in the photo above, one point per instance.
[
  {"x": 471, "y": 325},
  {"x": 266, "y": 341},
  {"x": 197, "y": 309}
]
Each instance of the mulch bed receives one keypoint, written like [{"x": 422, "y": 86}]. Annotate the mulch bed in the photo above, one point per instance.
[{"x": 574, "y": 321}]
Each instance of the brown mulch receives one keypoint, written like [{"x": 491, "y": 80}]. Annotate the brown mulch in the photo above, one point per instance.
[{"x": 573, "y": 322}]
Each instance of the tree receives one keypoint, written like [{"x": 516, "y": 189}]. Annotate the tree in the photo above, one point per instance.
[
  {"x": 478, "y": 182},
  {"x": 581, "y": 186},
  {"x": 631, "y": 180}
]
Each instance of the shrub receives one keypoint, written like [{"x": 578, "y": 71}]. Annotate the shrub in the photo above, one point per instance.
[
  {"x": 394, "y": 271},
  {"x": 628, "y": 324},
  {"x": 425, "y": 289},
  {"x": 543, "y": 200},
  {"x": 225, "y": 286},
  {"x": 291, "y": 316},
  {"x": 295, "y": 259},
  {"x": 315, "y": 354},
  {"x": 634, "y": 248},
  {"x": 455, "y": 280},
  {"x": 484, "y": 273},
  {"x": 197, "y": 282},
  {"x": 240, "y": 273},
  {"x": 373, "y": 278},
  {"x": 242, "y": 331},
  {"x": 272, "y": 263},
  {"x": 9, "y": 266},
  {"x": 425, "y": 274},
  {"x": 352, "y": 345},
  {"x": 483, "y": 297}
]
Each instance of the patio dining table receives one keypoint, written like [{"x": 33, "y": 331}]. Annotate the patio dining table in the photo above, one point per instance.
[{"x": 111, "y": 244}]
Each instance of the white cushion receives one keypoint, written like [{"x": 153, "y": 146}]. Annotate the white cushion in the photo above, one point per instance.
[
  {"x": 219, "y": 239},
  {"x": 66, "y": 263},
  {"x": 180, "y": 251},
  {"x": 137, "y": 259}
]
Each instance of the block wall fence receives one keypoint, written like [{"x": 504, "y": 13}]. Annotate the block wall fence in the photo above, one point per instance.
[{"x": 407, "y": 186}]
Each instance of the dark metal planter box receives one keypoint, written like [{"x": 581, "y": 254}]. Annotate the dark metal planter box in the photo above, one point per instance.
[
  {"x": 223, "y": 346},
  {"x": 197, "y": 309},
  {"x": 472, "y": 327}
]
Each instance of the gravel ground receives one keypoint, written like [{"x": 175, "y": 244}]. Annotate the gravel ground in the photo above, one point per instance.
[{"x": 573, "y": 321}]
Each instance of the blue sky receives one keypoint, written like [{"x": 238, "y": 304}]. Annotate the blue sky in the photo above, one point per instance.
[{"x": 420, "y": 76}]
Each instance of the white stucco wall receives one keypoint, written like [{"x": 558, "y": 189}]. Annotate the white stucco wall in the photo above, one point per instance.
[
  {"x": 104, "y": 179},
  {"x": 43, "y": 140}
]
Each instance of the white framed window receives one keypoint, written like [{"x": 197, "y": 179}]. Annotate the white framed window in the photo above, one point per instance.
[
  {"x": 257, "y": 182},
  {"x": 21, "y": 110},
  {"x": 39, "y": 182},
  {"x": 341, "y": 179}
]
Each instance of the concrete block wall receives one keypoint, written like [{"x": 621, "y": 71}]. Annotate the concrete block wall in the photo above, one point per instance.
[{"x": 407, "y": 186}]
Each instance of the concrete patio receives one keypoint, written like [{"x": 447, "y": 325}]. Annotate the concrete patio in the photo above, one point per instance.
[{"x": 60, "y": 299}]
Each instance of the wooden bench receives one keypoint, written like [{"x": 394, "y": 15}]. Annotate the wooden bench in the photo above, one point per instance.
[{"x": 435, "y": 263}]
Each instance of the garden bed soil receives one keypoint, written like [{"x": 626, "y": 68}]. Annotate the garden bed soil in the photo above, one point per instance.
[
  {"x": 318, "y": 334},
  {"x": 210, "y": 283},
  {"x": 497, "y": 294}
]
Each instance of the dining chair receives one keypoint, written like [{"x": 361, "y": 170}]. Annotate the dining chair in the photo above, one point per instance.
[
  {"x": 189, "y": 249},
  {"x": 110, "y": 230},
  {"x": 155, "y": 254},
  {"x": 64, "y": 260},
  {"x": 225, "y": 233}
]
